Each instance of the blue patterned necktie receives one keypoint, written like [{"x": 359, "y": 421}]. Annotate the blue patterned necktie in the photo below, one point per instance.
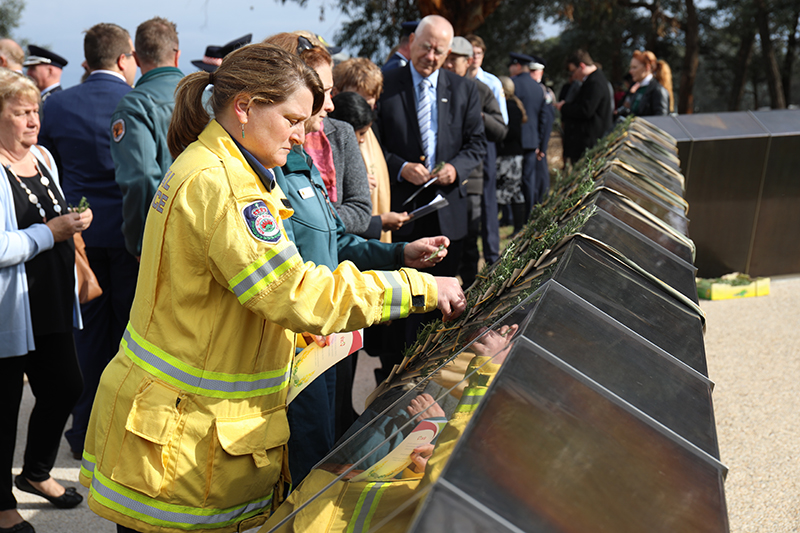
[{"x": 424, "y": 118}]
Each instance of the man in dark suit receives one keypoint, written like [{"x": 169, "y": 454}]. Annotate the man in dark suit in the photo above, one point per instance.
[
  {"x": 456, "y": 138},
  {"x": 532, "y": 98},
  {"x": 427, "y": 116},
  {"x": 44, "y": 67},
  {"x": 77, "y": 129},
  {"x": 590, "y": 113}
]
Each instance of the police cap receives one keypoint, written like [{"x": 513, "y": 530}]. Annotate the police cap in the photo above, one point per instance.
[
  {"x": 520, "y": 59},
  {"x": 40, "y": 56}
]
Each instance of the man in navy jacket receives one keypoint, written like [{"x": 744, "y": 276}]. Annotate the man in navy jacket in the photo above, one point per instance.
[
  {"x": 531, "y": 96},
  {"x": 77, "y": 130},
  {"x": 460, "y": 142}
]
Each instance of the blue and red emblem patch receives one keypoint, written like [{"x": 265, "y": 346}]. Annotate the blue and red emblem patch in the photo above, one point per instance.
[{"x": 261, "y": 223}]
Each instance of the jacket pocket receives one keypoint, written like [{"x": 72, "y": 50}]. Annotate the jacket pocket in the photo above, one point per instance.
[
  {"x": 149, "y": 428},
  {"x": 248, "y": 457}
]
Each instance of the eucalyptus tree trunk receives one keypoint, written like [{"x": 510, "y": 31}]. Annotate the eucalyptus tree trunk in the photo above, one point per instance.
[
  {"x": 777, "y": 100},
  {"x": 691, "y": 59}
]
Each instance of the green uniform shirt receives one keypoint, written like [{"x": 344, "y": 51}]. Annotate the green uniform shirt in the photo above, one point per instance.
[{"x": 139, "y": 147}]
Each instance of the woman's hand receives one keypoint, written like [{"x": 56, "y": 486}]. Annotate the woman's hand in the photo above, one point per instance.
[
  {"x": 419, "y": 458},
  {"x": 451, "y": 298},
  {"x": 65, "y": 226},
  {"x": 373, "y": 181},
  {"x": 320, "y": 340},
  {"x": 392, "y": 221},
  {"x": 425, "y": 252}
]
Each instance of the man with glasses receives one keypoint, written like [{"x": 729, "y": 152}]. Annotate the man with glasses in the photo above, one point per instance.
[
  {"x": 76, "y": 129},
  {"x": 429, "y": 123},
  {"x": 140, "y": 123}
]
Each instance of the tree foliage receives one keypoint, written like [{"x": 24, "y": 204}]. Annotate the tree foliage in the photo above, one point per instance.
[
  {"x": 719, "y": 55},
  {"x": 10, "y": 14}
]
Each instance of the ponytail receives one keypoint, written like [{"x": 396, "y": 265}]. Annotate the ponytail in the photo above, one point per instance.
[
  {"x": 263, "y": 72},
  {"x": 190, "y": 116},
  {"x": 663, "y": 75}
]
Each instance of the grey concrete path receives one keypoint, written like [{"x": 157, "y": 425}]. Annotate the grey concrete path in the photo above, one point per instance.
[{"x": 753, "y": 351}]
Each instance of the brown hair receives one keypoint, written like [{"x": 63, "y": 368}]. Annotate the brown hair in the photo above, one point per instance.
[
  {"x": 265, "y": 73},
  {"x": 156, "y": 41},
  {"x": 359, "y": 73},
  {"x": 660, "y": 69},
  {"x": 314, "y": 56},
  {"x": 15, "y": 85},
  {"x": 475, "y": 40},
  {"x": 103, "y": 44},
  {"x": 580, "y": 56}
]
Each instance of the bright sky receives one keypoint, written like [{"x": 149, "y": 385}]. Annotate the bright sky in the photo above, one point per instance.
[{"x": 58, "y": 24}]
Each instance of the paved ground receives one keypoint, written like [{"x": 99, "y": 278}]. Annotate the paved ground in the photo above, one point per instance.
[{"x": 753, "y": 350}]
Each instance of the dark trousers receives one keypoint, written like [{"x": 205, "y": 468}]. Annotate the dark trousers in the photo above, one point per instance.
[
  {"x": 469, "y": 259},
  {"x": 402, "y": 333},
  {"x": 529, "y": 186},
  {"x": 542, "y": 179},
  {"x": 490, "y": 226},
  {"x": 104, "y": 321},
  {"x": 312, "y": 425},
  {"x": 55, "y": 380},
  {"x": 345, "y": 377}
]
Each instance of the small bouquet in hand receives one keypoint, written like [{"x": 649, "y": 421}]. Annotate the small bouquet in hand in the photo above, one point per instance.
[{"x": 83, "y": 205}]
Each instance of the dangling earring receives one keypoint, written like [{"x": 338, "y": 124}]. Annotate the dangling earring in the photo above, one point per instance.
[{"x": 242, "y": 130}]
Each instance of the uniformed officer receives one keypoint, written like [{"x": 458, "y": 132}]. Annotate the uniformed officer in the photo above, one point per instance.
[
  {"x": 44, "y": 67},
  {"x": 139, "y": 126},
  {"x": 214, "y": 54},
  {"x": 531, "y": 96},
  {"x": 401, "y": 56},
  {"x": 546, "y": 119}
]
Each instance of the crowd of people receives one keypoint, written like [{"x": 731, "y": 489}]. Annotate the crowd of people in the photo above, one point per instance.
[{"x": 236, "y": 215}]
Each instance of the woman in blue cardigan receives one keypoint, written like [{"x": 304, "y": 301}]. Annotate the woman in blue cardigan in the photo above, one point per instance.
[{"x": 38, "y": 302}]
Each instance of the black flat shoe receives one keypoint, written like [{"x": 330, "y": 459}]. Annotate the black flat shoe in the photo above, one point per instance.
[
  {"x": 68, "y": 500},
  {"x": 22, "y": 527}
]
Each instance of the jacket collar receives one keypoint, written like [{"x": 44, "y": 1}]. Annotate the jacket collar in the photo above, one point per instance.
[
  {"x": 222, "y": 145},
  {"x": 157, "y": 73},
  {"x": 298, "y": 161}
]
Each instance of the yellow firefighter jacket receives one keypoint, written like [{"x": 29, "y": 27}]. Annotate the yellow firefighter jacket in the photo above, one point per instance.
[
  {"x": 325, "y": 504},
  {"x": 188, "y": 429}
]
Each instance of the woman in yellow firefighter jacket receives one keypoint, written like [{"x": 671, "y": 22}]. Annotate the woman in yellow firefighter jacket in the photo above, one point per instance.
[{"x": 188, "y": 429}]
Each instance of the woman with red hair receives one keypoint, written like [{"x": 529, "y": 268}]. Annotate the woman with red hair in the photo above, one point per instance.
[{"x": 651, "y": 93}]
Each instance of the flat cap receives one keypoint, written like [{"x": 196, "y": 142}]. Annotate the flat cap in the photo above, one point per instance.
[
  {"x": 40, "y": 56},
  {"x": 461, "y": 47}
]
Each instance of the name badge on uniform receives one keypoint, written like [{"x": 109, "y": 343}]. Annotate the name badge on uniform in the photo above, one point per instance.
[
  {"x": 306, "y": 192},
  {"x": 261, "y": 223}
]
